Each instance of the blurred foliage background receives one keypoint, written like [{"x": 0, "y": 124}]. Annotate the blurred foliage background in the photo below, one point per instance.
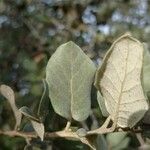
[{"x": 30, "y": 32}]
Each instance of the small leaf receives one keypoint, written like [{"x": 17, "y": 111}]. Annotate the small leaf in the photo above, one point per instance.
[
  {"x": 81, "y": 132},
  {"x": 27, "y": 112},
  {"x": 37, "y": 125},
  {"x": 119, "y": 81},
  {"x": 102, "y": 106},
  {"x": 8, "y": 93},
  {"x": 88, "y": 142},
  {"x": 69, "y": 74},
  {"x": 39, "y": 128}
]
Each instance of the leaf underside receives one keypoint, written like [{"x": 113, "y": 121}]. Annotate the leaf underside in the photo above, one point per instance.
[
  {"x": 101, "y": 103},
  {"x": 119, "y": 81},
  {"x": 69, "y": 74},
  {"x": 8, "y": 93},
  {"x": 39, "y": 128}
]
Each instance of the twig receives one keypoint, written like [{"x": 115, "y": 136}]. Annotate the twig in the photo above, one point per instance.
[
  {"x": 66, "y": 133},
  {"x": 63, "y": 133},
  {"x": 140, "y": 139},
  {"x": 103, "y": 129}
]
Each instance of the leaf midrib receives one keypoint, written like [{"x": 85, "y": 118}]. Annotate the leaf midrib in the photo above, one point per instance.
[
  {"x": 71, "y": 87},
  {"x": 122, "y": 85}
]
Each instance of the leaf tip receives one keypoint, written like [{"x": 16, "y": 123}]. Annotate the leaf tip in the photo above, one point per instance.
[
  {"x": 4, "y": 87},
  {"x": 7, "y": 92},
  {"x": 128, "y": 33},
  {"x": 70, "y": 44},
  {"x": 39, "y": 129}
]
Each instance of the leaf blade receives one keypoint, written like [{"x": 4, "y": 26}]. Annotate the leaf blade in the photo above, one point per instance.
[
  {"x": 39, "y": 128},
  {"x": 70, "y": 97},
  {"x": 102, "y": 106},
  {"x": 8, "y": 93},
  {"x": 36, "y": 123},
  {"x": 119, "y": 81}
]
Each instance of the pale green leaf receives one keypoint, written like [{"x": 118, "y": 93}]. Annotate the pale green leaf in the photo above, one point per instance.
[
  {"x": 119, "y": 81},
  {"x": 39, "y": 128},
  {"x": 102, "y": 106},
  {"x": 69, "y": 74},
  {"x": 8, "y": 93}
]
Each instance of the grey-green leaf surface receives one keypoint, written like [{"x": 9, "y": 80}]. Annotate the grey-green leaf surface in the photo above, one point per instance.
[
  {"x": 8, "y": 93},
  {"x": 101, "y": 103},
  {"x": 69, "y": 74},
  {"x": 39, "y": 128},
  {"x": 27, "y": 112},
  {"x": 119, "y": 81}
]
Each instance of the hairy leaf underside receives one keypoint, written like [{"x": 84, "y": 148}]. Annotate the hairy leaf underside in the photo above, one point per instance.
[
  {"x": 119, "y": 80},
  {"x": 9, "y": 94}
]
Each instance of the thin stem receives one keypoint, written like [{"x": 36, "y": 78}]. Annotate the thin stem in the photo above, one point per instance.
[
  {"x": 140, "y": 139},
  {"x": 68, "y": 125},
  {"x": 103, "y": 129},
  {"x": 28, "y": 140},
  {"x": 84, "y": 125},
  {"x": 106, "y": 123},
  {"x": 85, "y": 141},
  {"x": 39, "y": 107}
]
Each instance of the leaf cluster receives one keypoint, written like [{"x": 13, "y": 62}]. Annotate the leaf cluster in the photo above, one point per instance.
[{"x": 122, "y": 91}]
